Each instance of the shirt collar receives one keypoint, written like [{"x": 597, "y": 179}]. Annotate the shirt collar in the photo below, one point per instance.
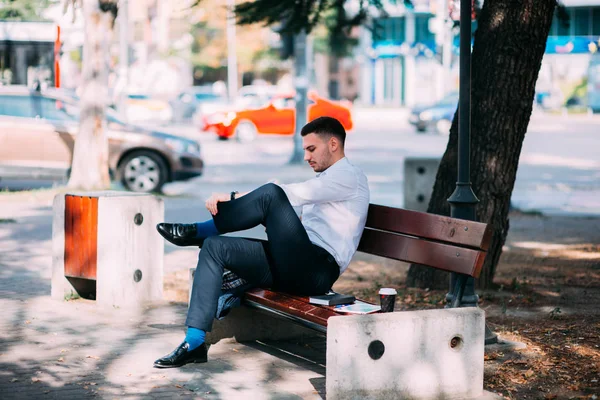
[{"x": 337, "y": 164}]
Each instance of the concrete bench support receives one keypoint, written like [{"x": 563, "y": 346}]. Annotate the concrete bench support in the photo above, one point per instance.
[
  {"x": 106, "y": 244},
  {"x": 431, "y": 354},
  {"x": 419, "y": 178}
]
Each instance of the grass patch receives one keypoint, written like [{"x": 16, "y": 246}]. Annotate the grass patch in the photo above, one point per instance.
[
  {"x": 8, "y": 221},
  {"x": 72, "y": 296}
]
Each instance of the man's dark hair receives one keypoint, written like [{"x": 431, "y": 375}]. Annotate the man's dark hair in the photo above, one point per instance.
[{"x": 325, "y": 126}]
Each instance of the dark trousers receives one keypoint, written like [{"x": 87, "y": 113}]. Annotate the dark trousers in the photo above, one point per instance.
[{"x": 287, "y": 261}]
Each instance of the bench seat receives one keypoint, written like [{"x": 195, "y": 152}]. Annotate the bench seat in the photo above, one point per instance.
[{"x": 294, "y": 308}]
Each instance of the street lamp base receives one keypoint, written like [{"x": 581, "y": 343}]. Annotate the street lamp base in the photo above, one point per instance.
[{"x": 490, "y": 336}]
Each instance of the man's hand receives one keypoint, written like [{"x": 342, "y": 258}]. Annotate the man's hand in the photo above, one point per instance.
[{"x": 211, "y": 203}]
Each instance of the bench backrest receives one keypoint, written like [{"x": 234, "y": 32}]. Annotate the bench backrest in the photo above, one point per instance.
[{"x": 440, "y": 242}]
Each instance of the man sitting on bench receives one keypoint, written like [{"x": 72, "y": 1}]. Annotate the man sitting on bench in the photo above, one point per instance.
[{"x": 303, "y": 257}]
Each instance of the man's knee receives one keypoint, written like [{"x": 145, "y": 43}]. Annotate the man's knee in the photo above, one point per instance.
[
  {"x": 274, "y": 190},
  {"x": 212, "y": 244},
  {"x": 215, "y": 251}
]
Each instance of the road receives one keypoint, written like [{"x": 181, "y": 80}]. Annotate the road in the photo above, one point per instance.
[{"x": 559, "y": 169}]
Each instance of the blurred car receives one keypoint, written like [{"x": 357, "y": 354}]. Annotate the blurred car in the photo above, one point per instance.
[
  {"x": 277, "y": 116},
  {"x": 437, "y": 116},
  {"x": 186, "y": 104},
  {"x": 143, "y": 107},
  {"x": 251, "y": 95},
  {"x": 38, "y": 131}
]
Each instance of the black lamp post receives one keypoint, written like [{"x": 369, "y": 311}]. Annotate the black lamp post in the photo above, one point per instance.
[{"x": 463, "y": 200}]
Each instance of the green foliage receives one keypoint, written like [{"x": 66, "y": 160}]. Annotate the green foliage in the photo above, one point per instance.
[
  {"x": 24, "y": 10},
  {"x": 75, "y": 56},
  {"x": 335, "y": 37},
  {"x": 580, "y": 89},
  {"x": 72, "y": 296},
  {"x": 293, "y": 16}
]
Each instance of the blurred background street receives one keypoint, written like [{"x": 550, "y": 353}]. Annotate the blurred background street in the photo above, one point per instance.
[
  {"x": 559, "y": 170},
  {"x": 190, "y": 94}
]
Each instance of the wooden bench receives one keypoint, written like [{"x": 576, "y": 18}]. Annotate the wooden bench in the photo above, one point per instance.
[
  {"x": 418, "y": 354},
  {"x": 440, "y": 242}
]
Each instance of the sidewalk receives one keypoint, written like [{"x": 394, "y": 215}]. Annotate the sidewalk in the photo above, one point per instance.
[
  {"x": 74, "y": 350},
  {"x": 59, "y": 349}
]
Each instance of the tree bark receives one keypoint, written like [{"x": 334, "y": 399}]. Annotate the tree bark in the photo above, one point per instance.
[
  {"x": 89, "y": 168},
  {"x": 507, "y": 54}
]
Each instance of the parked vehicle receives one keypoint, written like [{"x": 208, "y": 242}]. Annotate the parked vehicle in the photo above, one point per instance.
[
  {"x": 437, "y": 116},
  {"x": 186, "y": 104},
  {"x": 277, "y": 116},
  {"x": 142, "y": 107},
  {"x": 38, "y": 131}
]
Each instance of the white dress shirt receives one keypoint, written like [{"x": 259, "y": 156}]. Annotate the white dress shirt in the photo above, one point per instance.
[{"x": 334, "y": 208}]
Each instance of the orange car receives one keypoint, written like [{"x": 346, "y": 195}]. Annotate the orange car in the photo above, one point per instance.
[{"x": 277, "y": 117}]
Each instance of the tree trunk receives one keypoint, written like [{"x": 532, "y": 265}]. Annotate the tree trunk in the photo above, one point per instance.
[
  {"x": 89, "y": 169},
  {"x": 507, "y": 55}
]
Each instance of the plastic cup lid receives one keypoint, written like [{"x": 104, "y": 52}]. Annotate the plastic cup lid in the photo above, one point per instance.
[{"x": 387, "y": 291}]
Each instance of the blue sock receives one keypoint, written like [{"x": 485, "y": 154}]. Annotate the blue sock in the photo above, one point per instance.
[
  {"x": 194, "y": 337},
  {"x": 206, "y": 229}
]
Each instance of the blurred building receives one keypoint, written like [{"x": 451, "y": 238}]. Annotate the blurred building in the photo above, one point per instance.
[
  {"x": 400, "y": 61},
  {"x": 336, "y": 78},
  {"x": 26, "y": 52},
  {"x": 158, "y": 45},
  {"x": 397, "y": 59},
  {"x": 569, "y": 59}
]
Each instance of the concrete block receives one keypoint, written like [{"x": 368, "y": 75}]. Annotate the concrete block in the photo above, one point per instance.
[
  {"x": 130, "y": 256},
  {"x": 430, "y": 354},
  {"x": 128, "y": 265},
  {"x": 419, "y": 178},
  {"x": 60, "y": 286},
  {"x": 246, "y": 324}
]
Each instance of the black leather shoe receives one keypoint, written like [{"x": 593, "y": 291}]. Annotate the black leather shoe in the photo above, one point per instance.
[
  {"x": 181, "y": 356},
  {"x": 180, "y": 234}
]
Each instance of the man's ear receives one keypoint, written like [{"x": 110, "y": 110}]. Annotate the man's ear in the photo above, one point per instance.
[{"x": 334, "y": 144}]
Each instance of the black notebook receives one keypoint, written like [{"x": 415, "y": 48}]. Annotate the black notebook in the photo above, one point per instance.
[{"x": 331, "y": 299}]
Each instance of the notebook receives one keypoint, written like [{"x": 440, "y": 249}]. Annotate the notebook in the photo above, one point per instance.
[{"x": 331, "y": 299}]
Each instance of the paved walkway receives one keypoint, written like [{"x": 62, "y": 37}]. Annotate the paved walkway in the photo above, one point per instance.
[
  {"x": 74, "y": 350},
  {"x": 59, "y": 349}
]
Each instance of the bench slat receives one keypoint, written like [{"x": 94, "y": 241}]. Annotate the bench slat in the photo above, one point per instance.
[
  {"x": 430, "y": 226},
  {"x": 291, "y": 305},
  {"x": 409, "y": 249}
]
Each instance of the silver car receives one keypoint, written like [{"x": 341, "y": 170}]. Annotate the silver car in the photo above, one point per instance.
[{"x": 38, "y": 131}]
